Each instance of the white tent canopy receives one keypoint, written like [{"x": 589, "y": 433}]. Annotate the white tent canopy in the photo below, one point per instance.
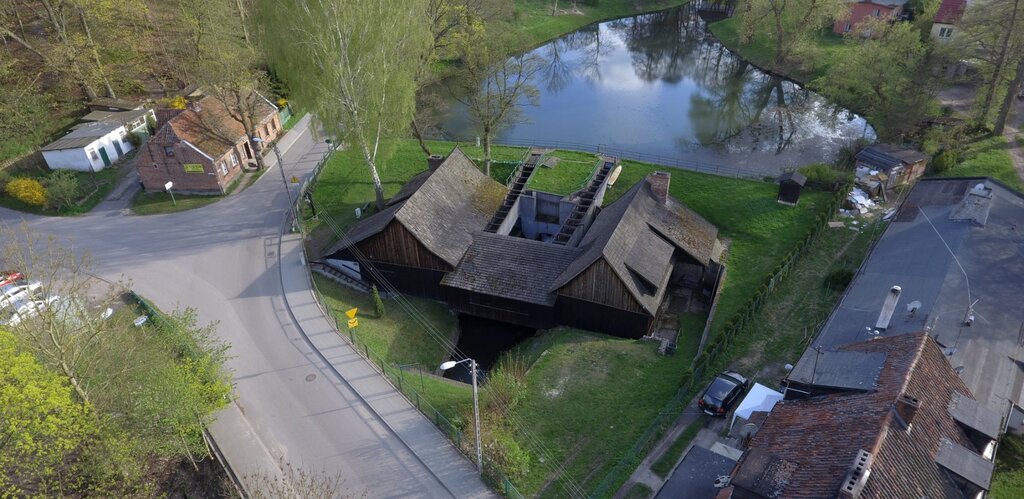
[{"x": 760, "y": 398}]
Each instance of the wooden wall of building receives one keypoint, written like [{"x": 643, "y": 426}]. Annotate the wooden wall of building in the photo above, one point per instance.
[
  {"x": 600, "y": 284},
  {"x": 425, "y": 283},
  {"x": 500, "y": 309},
  {"x": 591, "y": 316},
  {"x": 396, "y": 245}
]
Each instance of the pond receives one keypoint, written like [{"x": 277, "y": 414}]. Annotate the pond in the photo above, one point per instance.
[{"x": 659, "y": 85}]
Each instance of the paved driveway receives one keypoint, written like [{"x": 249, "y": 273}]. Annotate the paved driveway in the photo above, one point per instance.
[{"x": 224, "y": 260}]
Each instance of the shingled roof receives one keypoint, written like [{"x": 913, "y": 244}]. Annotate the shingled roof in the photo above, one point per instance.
[
  {"x": 806, "y": 448},
  {"x": 511, "y": 267},
  {"x": 636, "y": 235},
  {"x": 442, "y": 209}
]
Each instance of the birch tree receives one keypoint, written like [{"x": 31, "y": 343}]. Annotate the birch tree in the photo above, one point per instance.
[
  {"x": 352, "y": 63},
  {"x": 994, "y": 31},
  {"x": 494, "y": 88}
]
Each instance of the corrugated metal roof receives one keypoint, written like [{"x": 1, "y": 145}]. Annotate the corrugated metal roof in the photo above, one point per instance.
[{"x": 81, "y": 136}]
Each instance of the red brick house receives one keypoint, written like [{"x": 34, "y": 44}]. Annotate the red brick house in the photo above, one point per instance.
[
  {"x": 200, "y": 149},
  {"x": 859, "y": 11}
]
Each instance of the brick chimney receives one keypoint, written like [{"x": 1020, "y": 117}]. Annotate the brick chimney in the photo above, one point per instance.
[
  {"x": 906, "y": 407},
  {"x": 659, "y": 185},
  {"x": 434, "y": 161}
]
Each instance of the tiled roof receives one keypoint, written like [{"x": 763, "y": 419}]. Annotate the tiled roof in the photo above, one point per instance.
[
  {"x": 210, "y": 128},
  {"x": 950, "y": 11},
  {"x": 819, "y": 438}
]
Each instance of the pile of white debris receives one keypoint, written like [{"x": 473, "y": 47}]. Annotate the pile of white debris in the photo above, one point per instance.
[{"x": 858, "y": 203}]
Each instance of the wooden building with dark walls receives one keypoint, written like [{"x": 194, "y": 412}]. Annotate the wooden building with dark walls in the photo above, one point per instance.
[
  {"x": 790, "y": 186},
  {"x": 900, "y": 166},
  {"x": 424, "y": 230},
  {"x": 612, "y": 276}
]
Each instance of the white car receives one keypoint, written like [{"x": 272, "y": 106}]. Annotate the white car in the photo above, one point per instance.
[
  {"x": 20, "y": 310},
  {"x": 20, "y": 290}
]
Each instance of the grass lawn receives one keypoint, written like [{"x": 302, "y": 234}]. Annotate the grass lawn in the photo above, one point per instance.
[
  {"x": 534, "y": 20},
  {"x": 1008, "y": 479},
  {"x": 639, "y": 491},
  {"x": 828, "y": 48},
  {"x": 990, "y": 157},
  {"x": 588, "y": 396},
  {"x": 663, "y": 466},
  {"x": 160, "y": 202},
  {"x": 392, "y": 336}
]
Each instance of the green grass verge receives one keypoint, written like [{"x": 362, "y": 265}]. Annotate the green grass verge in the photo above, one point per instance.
[
  {"x": 1008, "y": 479},
  {"x": 588, "y": 398},
  {"x": 664, "y": 465},
  {"x": 826, "y": 49},
  {"x": 396, "y": 336},
  {"x": 988, "y": 157},
  {"x": 160, "y": 202},
  {"x": 639, "y": 491},
  {"x": 533, "y": 19}
]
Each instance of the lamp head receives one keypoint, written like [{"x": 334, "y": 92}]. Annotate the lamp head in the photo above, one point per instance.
[{"x": 448, "y": 365}]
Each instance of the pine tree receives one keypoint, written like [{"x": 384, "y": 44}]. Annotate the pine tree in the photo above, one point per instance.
[{"x": 378, "y": 303}]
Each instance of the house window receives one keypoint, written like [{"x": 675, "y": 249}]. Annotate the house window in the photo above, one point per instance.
[
  {"x": 267, "y": 128},
  {"x": 945, "y": 32},
  {"x": 878, "y": 12},
  {"x": 92, "y": 154},
  {"x": 234, "y": 160},
  {"x": 223, "y": 169},
  {"x": 847, "y": 28},
  {"x": 168, "y": 150}
]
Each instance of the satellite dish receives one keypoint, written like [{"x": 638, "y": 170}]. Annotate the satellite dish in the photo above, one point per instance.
[
  {"x": 913, "y": 306},
  {"x": 748, "y": 430}
]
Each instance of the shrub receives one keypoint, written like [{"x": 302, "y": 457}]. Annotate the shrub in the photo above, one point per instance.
[
  {"x": 378, "y": 303},
  {"x": 176, "y": 102},
  {"x": 944, "y": 161},
  {"x": 135, "y": 139},
  {"x": 4, "y": 178},
  {"x": 507, "y": 456},
  {"x": 27, "y": 190},
  {"x": 62, "y": 188},
  {"x": 838, "y": 279}
]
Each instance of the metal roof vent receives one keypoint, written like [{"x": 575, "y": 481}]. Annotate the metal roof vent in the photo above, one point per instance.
[
  {"x": 888, "y": 308},
  {"x": 857, "y": 476}
]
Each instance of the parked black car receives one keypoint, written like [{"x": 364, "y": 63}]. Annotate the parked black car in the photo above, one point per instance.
[{"x": 722, "y": 393}]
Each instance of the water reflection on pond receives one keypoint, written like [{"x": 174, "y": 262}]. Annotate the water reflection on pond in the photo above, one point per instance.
[{"x": 658, "y": 84}]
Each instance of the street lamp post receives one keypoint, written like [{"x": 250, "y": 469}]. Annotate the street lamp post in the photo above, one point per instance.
[
  {"x": 284, "y": 179},
  {"x": 476, "y": 409}
]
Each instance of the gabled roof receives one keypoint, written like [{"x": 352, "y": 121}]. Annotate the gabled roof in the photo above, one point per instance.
[
  {"x": 887, "y": 156},
  {"x": 820, "y": 438},
  {"x": 950, "y": 11},
  {"x": 116, "y": 116},
  {"x": 208, "y": 126},
  {"x": 442, "y": 209},
  {"x": 82, "y": 135},
  {"x": 636, "y": 236},
  {"x": 511, "y": 267},
  {"x": 797, "y": 177}
]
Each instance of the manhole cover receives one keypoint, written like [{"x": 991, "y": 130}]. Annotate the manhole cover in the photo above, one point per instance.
[{"x": 311, "y": 377}]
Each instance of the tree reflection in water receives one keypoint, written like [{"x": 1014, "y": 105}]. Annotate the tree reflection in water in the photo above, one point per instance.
[{"x": 660, "y": 83}]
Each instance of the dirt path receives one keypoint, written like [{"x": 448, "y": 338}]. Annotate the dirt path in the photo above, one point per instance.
[{"x": 1014, "y": 134}]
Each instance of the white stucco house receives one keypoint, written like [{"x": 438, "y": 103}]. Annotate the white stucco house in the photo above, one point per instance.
[
  {"x": 97, "y": 143},
  {"x": 947, "y": 20}
]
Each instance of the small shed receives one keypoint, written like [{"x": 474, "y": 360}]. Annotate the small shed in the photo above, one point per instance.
[
  {"x": 790, "y": 186},
  {"x": 89, "y": 147},
  {"x": 901, "y": 166}
]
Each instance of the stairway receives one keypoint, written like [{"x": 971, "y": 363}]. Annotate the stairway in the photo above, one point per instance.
[
  {"x": 583, "y": 205},
  {"x": 515, "y": 188}
]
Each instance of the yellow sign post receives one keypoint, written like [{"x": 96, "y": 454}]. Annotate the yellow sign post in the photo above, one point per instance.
[
  {"x": 295, "y": 179},
  {"x": 351, "y": 313},
  {"x": 353, "y": 323}
]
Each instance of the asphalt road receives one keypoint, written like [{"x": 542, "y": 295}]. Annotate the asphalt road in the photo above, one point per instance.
[{"x": 223, "y": 261}]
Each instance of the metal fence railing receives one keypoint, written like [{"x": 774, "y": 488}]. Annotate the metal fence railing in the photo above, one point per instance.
[{"x": 680, "y": 162}]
